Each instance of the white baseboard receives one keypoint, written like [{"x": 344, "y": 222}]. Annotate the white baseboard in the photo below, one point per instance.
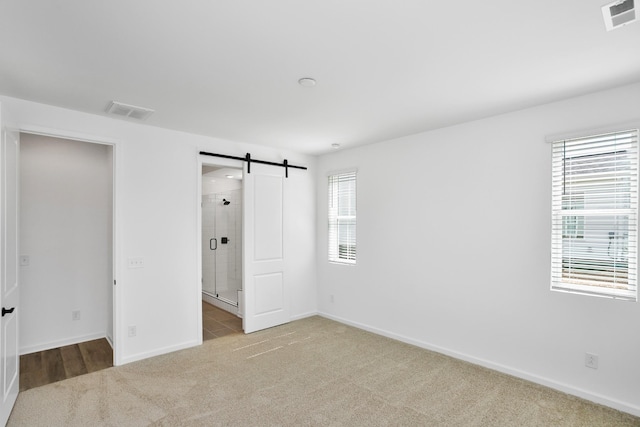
[
  {"x": 565, "y": 388},
  {"x": 304, "y": 315},
  {"x": 61, "y": 343},
  {"x": 158, "y": 352}
]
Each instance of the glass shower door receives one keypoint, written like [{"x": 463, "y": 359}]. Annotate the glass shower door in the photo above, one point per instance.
[
  {"x": 209, "y": 245},
  {"x": 221, "y": 246}
]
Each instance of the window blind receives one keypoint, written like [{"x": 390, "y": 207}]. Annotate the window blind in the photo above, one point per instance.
[
  {"x": 594, "y": 215},
  {"x": 342, "y": 217}
]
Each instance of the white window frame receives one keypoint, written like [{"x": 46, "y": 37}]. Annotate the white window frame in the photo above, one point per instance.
[
  {"x": 338, "y": 222},
  {"x": 619, "y": 158}
]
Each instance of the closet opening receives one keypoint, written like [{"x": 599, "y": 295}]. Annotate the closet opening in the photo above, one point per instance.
[{"x": 66, "y": 257}]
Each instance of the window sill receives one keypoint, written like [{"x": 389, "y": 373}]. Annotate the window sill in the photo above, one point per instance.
[
  {"x": 621, "y": 296},
  {"x": 346, "y": 263}
]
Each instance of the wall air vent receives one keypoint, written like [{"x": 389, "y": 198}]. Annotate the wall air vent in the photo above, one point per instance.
[
  {"x": 125, "y": 110},
  {"x": 619, "y": 13}
]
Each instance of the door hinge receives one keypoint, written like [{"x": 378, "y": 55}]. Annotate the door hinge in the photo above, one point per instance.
[{"x": 114, "y": 283}]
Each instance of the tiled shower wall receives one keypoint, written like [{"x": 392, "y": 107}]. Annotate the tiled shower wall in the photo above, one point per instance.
[{"x": 222, "y": 268}]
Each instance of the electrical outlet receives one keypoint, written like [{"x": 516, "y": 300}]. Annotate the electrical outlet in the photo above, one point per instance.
[
  {"x": 132, "y": 331},
  {"x": 591, "y": 360},
  {"x": 75, "y": 315},
  {"x": 137, "y": 262}
]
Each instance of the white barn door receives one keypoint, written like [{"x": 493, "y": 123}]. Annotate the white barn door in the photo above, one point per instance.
[
  {"x": 9, "y": 357},
  {"x": 266, "y": 299}
]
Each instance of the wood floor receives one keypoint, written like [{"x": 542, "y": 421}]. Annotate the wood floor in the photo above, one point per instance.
[
  {"x": 49, "y": 366},
  {"x": 218, "y": 323}
]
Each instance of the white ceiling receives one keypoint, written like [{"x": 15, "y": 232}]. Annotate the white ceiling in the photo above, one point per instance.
[
  {"x": 218, "y": 172},
  {"x": 384, "y": 69}
]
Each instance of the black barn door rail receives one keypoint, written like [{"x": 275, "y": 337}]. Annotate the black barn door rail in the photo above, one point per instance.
[{"x": 247, "y": 158}]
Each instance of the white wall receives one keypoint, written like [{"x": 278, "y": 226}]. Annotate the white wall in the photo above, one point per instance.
[
  {"x": 65, "y": 230},
  {"x": 156, "y": 198},
  {"x": 453, "y": 244}
]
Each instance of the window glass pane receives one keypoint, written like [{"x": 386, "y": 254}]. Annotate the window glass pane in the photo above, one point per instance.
[
  {"x": 342, "y": 217},
  {"x": 573, "y": 226},
  {"x": 594, "y": 231}
]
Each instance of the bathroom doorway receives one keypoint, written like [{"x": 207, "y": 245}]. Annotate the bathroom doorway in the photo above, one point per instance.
[{"x": 222, "y": 237}]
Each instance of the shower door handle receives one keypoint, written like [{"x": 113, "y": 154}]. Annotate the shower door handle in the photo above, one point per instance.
[{"x": 213, "y": 248}]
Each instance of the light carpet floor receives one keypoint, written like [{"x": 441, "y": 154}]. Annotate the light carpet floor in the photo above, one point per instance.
[{"x": 312, "y": 372}]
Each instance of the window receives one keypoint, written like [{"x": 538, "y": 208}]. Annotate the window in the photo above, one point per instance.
[
  {"x": 594, "y": 219},
  {"x": 342, "y": 217}
]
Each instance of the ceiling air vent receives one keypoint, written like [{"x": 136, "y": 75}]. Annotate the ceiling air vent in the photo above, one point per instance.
[
  {"x": 619, "y": 13},
  {"x": 125, "y": 110}
]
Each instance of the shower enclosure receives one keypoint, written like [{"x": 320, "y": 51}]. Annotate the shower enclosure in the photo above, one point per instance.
[{"x": 222, "y": 245}]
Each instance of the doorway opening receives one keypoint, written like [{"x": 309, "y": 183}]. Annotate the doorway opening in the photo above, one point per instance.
[
  {"x": 221, "y": 225},
  {"x": 67, "y": 249}
]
